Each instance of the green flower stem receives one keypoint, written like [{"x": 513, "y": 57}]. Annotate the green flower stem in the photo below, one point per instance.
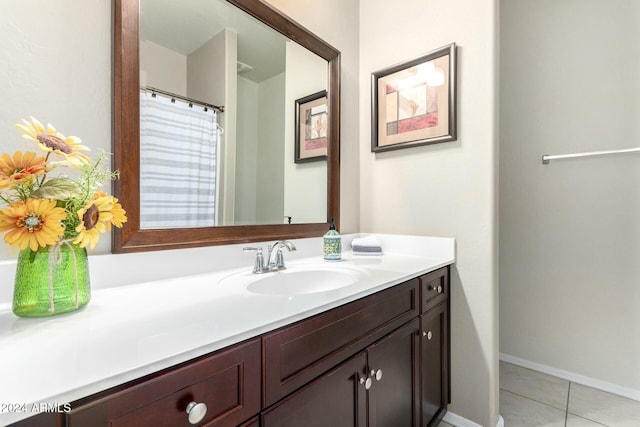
[{"x": 46, "y": 160}]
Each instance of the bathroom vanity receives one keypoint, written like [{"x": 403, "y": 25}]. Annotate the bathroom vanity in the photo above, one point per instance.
[{"x": 373, "y": 352}]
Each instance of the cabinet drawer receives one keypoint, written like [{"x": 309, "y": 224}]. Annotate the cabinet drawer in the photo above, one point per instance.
[
  {"x": 296, "y": 354},
  {"x": 228, "y": 382},
  {"x": 434, "y": 288}
]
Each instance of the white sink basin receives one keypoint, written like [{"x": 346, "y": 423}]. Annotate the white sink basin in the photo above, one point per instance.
[{"x": 298, "y": 280}]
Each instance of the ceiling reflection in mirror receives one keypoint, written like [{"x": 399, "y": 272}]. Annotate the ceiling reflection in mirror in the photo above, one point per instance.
[{"x": 218, "y": 93}]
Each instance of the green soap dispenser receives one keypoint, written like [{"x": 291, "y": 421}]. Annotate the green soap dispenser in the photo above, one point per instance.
[{"x": 332, "y": 244}]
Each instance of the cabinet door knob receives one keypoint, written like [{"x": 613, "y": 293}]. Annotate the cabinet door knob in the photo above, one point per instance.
[
  {"x": 376, "y": 374},
  {"x": 196, "y": 412},
  {"x": 439, "y": 289},
  {"x": 429, "y": 335},
  {"x": 367, "y": 382}
]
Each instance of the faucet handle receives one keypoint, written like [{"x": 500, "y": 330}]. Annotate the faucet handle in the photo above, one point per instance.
[
  {"x": 258, "y": 266},
  {"x": 280, "y": 260}
]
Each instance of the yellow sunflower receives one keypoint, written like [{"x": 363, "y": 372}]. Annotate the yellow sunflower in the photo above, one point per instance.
[
  {"x": 52, "y": 141},
  {"x": 96, "y": 217},
  {"x": 32, "y": 223},
  {"x": 21, "y": 168}
]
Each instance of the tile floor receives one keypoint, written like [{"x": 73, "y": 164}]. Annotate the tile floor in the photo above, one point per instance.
[{"x": 532, "y": 399}]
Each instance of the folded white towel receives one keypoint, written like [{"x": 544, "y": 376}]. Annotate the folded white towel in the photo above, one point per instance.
[
  {"x": 368, "y": 245},
  {"x": 366, "y": 242}
]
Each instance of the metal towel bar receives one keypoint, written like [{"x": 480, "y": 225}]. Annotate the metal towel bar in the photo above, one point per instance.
[{"x": 547, "y": 158}]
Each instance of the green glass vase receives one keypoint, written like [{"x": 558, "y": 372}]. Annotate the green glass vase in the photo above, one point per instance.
[{"x": 50, "y": 281}]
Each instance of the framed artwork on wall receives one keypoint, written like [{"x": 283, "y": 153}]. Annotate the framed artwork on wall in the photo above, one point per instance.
[
  {"x": 414, "y": 103},
  {"x": 311, "y": 128}
]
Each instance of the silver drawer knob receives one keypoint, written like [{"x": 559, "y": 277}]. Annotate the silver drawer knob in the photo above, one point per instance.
[
  {"x": 376, "y": 374},
  {"x": 196, "y": 412},
  {"x": 429, "y": 335},
  {"x": 366, "y": 382},
  {"x": 439, "y": 289}
]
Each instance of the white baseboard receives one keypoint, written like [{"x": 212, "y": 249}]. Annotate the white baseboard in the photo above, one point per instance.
[
  {"x": 458, "y": 421},
  {"x": 619, "y": 390}
]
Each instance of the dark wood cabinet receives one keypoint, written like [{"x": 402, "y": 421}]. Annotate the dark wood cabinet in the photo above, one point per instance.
[
  {"x": 227, "y": 382},
  {"x": 296, "y": 354},
  {"x": 376, "y": 388},
  {"x": 254, "y": 422},
  {"x": 434, "y": 289},
  {"x": 393, "y": 366},
  {"x": 435, "y": 346},
  {"x": 335, "y": 399},
  {"x": 434, "y": 357},
  {"x": 380, "y": 361}
]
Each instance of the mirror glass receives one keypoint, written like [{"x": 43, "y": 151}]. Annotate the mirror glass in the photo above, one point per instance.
[
  {"x": 218, "y": 94},
  {"x": 266, "y": 175}
]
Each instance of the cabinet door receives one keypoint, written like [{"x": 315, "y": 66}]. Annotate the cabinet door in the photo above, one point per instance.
[
  {"x": 336, "y": 399},
  {"x": 393, "y": 368},
  {"x": 434, "y": 366}
]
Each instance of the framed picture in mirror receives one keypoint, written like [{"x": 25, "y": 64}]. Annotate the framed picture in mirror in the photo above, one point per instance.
[
  {"x": 414, "y": 103},
  {"x": 311, "y": 127}
]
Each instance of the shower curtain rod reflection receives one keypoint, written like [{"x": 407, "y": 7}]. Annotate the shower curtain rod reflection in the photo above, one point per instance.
[{"x": 154, "y": 90}]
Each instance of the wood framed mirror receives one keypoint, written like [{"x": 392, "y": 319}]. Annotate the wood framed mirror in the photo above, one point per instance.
[{"x": 126, "y": 145}]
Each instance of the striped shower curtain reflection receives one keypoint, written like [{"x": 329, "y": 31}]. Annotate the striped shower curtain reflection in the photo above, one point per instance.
[{"x": 178, "y": 154}]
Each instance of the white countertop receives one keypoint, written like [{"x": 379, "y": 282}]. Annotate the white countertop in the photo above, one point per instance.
[{"x": 132, "y": 330}]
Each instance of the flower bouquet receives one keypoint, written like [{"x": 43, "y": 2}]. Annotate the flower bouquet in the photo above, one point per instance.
[{"x": 52, "y": 218}]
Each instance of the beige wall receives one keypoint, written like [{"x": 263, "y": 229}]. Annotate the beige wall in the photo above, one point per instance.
[
  {"x": 162, "y": 68},
  {"x": 570, "y": 230},
  {"x": 247, "y": 152},
  {"x": 445, "y": 189},
  {"x": 259, "y": 152},
  {"x": 270, "y": 185},
  {"x": 55, "y": 64}
]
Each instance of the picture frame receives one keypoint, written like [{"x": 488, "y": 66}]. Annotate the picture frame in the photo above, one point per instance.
[
  {"x": 311, "y": 115},
  {"x": 414, "y": 103}
]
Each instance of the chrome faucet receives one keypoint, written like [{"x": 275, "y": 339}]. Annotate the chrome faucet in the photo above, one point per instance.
[
  {"x": 275, "y": 258},
  {"x": 278, "y": 263}
]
